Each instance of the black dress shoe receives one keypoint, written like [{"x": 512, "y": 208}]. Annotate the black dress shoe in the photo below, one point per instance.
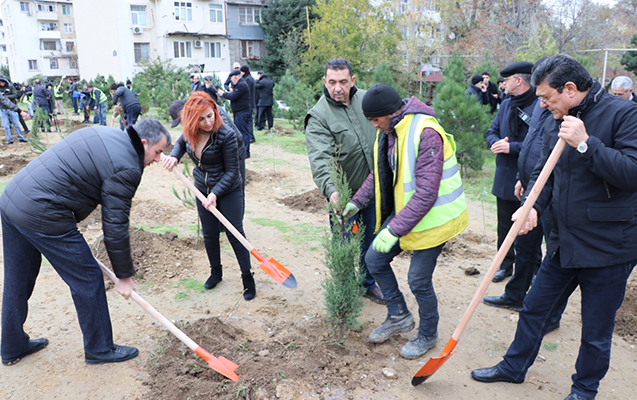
[
  {"x": 574, "y": 396},
  {"x": 116, "y": 354},
  {"x": 552, "y": 328},
  {"x": 503, "y": 301},
  {"x": 502, "y": 274},
  {"x": 489, "y": 375},
  {"x": 34, "y": 346}
]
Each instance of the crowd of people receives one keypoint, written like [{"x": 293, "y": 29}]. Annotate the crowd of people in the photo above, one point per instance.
[{"x": 406, "y": 190}]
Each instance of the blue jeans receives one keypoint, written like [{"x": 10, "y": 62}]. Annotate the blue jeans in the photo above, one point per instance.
[
  {"x": 11, "y": 117},
  {"x": 100, "y": 113},
  {"x": 602, "y": 290},
  {"x": 231, "y": 206},
  {"x": 31, "y": 111},
  {"x": 74, "y": 101},
  {"x": 419, "y": 277},
  {"x": 366, "y": 217},
  {"x": 71, "y": 257},
  {"x": 243, "y": 121}
]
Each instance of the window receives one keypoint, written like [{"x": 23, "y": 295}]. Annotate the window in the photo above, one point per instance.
[
  {"x": 183, "y": 11},
  {"x": 70, "y": 46},
  {"x": 47, "y": 7},
  {"x": 66, "y": 9},
  {"x": 216, "y": 12},
  {"x": 250, "y": 49},
  {"x": 33, "y": 64},
  {"x": 24, "y": 6},
  {"x": 68, "y": 28},
  {"x": 138, "y": 15},
  {"x": 403, "y": 6},
  {"x": 1, "y": 24},
  {"x": 48, "y": 45},
  {"x": 3, "y": 48},
  {"x": 141, "y": 52},
  {"x": 249, "y": 15},
  {"x": 183, "y": 50},
  {"x": 54, "y": 63},
  {"x": 213, "y": 49},
  {"x": 73, "y": 64},
  {"x": 48, "y": 26}
]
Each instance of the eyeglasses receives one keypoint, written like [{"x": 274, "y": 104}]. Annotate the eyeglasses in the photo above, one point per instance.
[{"x": 545, "y": 99}]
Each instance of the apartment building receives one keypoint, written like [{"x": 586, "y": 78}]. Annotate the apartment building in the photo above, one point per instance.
[
  {"x": 200, "y": 36},
  {"x": 4, "y": 60}
]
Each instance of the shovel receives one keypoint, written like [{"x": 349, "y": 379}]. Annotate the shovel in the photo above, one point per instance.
[
  {"x": 435, "y": 363},
  {"x": 270, "y": 266},
  {"x": 220, "y": 364}
]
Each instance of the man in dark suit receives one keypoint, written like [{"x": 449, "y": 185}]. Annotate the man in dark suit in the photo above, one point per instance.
[
  {"x": 504, "y": 138},
  {"x": 265, "y": 99}
]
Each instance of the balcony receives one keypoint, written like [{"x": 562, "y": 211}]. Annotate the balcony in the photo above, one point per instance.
[
  {"x": 49, "y": 35},
  {"x": 46, "y": 16}
]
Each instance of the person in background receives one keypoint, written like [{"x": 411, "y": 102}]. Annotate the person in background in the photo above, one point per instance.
[
  {"x": 213, "y": 148},
  {"x": 130, "y": 106},
  {"x": 265, "y": 100},
  {"x": 240, "y": 104},
  {"x": 247, "y": 77},
  {"x": 227, "y": 85},
  {"x": 478, "y": 90},
  {"x": 622, "y": 86},
  {"x": 73, "y": 93},
  {"x": 493, "y": 99}
]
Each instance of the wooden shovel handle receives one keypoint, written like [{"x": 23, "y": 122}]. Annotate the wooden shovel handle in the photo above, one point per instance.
[{"x": 510, "y": 237}]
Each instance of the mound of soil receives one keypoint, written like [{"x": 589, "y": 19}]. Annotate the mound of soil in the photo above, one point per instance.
[
  {"x": 158, "y": 257},
  {"x": 12, "y": 163},
  {"x": 626, "y": 319},
  {"x": 312, "y": 201},
  {"x": 294, "y": 360}
]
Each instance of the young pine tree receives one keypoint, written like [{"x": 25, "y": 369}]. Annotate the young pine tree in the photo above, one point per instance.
[
  {"x": 344, "y": 284},
  {"x": 461, "y": 115}
]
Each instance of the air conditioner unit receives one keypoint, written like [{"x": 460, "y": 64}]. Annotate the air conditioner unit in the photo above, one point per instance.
[
  {"x": 197, "y": 44},
  {"x": 137, "y": 30}
]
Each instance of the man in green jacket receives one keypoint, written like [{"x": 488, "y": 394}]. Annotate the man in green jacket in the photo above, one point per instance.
[{"x": 336, "y": 128}]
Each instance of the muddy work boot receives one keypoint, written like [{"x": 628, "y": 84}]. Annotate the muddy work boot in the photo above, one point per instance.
[
  {"x": 417, "y": 346},
  {"x": 216, "y": 274},
  {"x": 249, "y": 291},
  {"x": 391, "y": 326}
]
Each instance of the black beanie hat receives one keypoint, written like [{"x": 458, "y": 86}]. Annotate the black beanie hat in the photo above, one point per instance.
[
  {"x": 475, "y": 79},
  {"x": 381, "y": 100}
]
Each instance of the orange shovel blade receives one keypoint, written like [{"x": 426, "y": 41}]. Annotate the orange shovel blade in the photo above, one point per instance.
[
  {"x": 434, "y": 363},
  {"x": 278, "y": 272},
  {"x": 220, "y": 364}
]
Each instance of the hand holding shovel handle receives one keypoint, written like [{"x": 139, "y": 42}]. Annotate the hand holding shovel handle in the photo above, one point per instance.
[
  {"x": 220, "y": 364},
  {"x": 435, "y": 363},
  {"x": 270, "y": 266}
]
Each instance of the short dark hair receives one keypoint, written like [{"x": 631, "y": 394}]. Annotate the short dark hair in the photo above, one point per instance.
[
  {"x": 485, "y": 73},
  {"x": 338, "y": 64},
  {"x": 558, "y": 69},
  {"x": 113, "y": 86}
]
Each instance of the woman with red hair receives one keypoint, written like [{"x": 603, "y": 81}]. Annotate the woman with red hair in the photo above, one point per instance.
[{"x": 212, "y": 147}]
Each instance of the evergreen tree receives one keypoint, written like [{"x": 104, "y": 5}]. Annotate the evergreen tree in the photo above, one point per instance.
[
  {"x": 282, "y": 21},
  {"x": 629, "y": 59},
  {"x": 461, "y": 115},
  {"x": 344, "y": 283},
  {"x": 382, "y": 74},
  {"x": 298, "y": 95}
]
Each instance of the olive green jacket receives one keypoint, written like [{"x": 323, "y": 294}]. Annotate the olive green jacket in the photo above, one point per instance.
[{"x": 332, "y": 128}]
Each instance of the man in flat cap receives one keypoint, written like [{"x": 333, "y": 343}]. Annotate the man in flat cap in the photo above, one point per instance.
[
  {"x": 420, "y": 205},
  {"x": 504, "y": 138}
]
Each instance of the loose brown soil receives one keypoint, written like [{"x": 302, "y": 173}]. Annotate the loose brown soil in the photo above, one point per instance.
[{"x": 280, "y": 340}]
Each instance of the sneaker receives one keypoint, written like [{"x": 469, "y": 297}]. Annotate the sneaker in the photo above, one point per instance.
[
  {"x": 34, "y": 346},
  {"x": 23, "y": 140},
  {"x": 417, "y": 346},
  {"x": 11, "y": 142},
  {"x": 116, "y": 354},
  {"x": 392, "y": 325},
  {"x": 375, "y": 295}
]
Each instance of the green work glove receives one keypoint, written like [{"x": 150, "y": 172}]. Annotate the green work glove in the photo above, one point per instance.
[
  {"x": 384, "y": 241},
  {"x": 350, "y": 210}
]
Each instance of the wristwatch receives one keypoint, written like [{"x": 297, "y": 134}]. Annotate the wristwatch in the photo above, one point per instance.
[{"x": 582, "y": 147}]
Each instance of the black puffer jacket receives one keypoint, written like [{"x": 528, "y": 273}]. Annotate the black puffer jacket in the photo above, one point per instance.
[
  {"x": 218, "y": 170},
  {"x": 91, "y": 166}
]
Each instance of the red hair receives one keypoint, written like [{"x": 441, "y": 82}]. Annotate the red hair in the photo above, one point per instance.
[{"x": 197, "y": 103}]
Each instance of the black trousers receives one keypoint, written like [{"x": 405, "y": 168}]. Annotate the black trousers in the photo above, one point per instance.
[
  {"x": 506, "y": 208},
  {"x": 264, "y": 114}
]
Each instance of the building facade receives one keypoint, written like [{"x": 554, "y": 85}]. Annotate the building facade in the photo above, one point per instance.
[{"x": 40, "y": 38}]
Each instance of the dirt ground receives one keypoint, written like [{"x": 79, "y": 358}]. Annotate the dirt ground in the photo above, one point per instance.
[{"x": 279, "y": 340}]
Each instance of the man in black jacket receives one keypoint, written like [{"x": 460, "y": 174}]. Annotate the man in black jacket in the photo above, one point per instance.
[
  {"x": 247, "y": 77},
  {"x": 593, "y": 195},
  {"x": 41, "y": 96},
  {"x": 130, "y": 106},
  {"x": 265, "y": 99},
  {"x": 240, "y": 105},
  {"x": 40, "y": 209}
]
